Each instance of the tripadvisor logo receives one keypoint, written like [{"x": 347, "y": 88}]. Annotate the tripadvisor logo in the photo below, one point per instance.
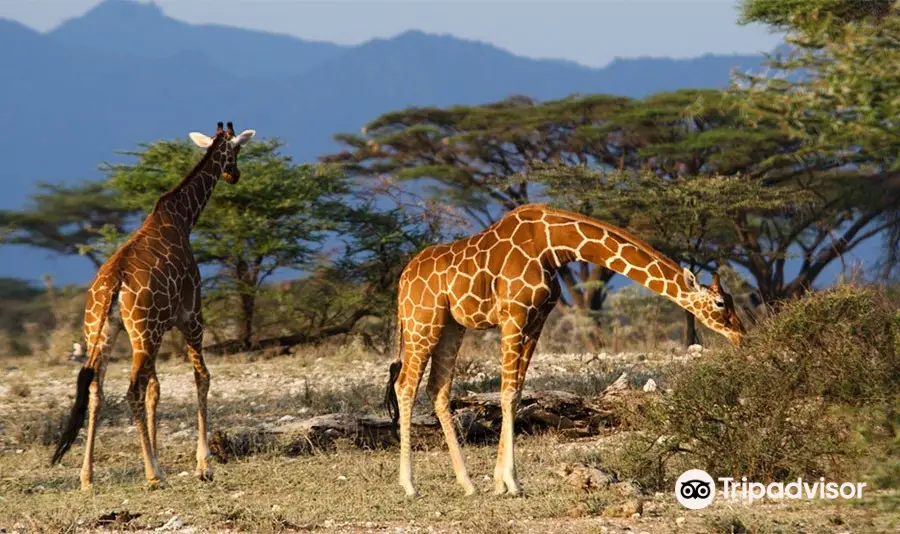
[{"x": 695, "y": 489}]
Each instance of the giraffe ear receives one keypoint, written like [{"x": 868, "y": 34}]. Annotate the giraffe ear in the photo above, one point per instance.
[
  {"x": 690, "y": 280},
  {"x": 201, "y": 140},
  {"x": 243, "y": 138}
]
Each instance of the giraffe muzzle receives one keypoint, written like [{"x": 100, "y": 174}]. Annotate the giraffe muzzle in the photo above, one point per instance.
[{"x": 231, "y": 177}]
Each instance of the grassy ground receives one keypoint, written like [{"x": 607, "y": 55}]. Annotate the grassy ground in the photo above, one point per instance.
[{"x": 345, "y": 490}]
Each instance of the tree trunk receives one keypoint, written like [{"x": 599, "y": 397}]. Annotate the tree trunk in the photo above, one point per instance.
[
  {"x": 248, "y": 307},
  {"x": 247, "y": 294},
  {"x": 690, "y": 329}
]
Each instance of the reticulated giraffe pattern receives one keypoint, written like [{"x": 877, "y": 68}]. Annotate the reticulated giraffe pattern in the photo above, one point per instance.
[
  {"x": 505, "y": 277},
  {"x": 150, "y": 285}
]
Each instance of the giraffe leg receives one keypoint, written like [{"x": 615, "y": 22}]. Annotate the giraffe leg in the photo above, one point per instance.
[
  {"x": 141, "y": 370},
  {"x": 512, "y": 348},
  {"x": 104, "y": 343},
  {"x": 191, "y": 325},
  {"x": 440, "y": 381},
  {"x": 414, "y": 359},
  {"x": 152, "y": 400},
  {"x": 194, "y": 337},
  {"x": 528, "y": 345}
]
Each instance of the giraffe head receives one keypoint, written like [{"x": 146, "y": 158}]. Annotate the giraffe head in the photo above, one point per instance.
[
  {"x": 714, "y": 307},
  {"x": 224, "y": 147}
]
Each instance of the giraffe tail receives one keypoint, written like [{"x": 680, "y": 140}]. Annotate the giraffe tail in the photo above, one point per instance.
[
  {"x": 82, "y": 387},
  {"x": 76, "y": 418},
  {"x": 390, "y": 394}
]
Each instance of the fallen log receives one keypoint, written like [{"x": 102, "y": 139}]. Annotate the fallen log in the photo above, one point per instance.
[{"x": 476, "y": 416}]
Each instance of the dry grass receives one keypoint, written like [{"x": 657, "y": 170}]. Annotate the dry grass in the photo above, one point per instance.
[{"x": 345, "y": 489}]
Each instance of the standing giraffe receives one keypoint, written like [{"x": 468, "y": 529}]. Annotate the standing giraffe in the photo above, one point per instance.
[
  {"x": 505, "y": 276},
  {"x": 150, "y": 285}
]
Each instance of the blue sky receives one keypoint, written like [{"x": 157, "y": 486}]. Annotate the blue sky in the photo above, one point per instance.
[{"x": 589, "y": 32}]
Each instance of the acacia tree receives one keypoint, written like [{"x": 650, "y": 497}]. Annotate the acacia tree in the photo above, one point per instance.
[
  {"x": 842, "y": 99},
  {"x": 274, "y": 218},
  {"x": 481, "y": 156},
  {"x": 67, "y": 219},
  {"x": 476, "y": 157}
]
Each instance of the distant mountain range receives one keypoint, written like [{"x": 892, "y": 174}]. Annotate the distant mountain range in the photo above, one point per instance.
[{"x": 125, "y": 73}]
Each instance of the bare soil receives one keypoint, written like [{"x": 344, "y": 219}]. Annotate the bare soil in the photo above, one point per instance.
[{"x": 345, "y": 489}]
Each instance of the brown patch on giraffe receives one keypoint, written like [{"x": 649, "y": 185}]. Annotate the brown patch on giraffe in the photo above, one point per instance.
[
  {"x": 523, "y": 234},
  {"x": 656, "y": 285},
  {"x": 638, "y": 275},
  {"x": 461, "y": 285},
  {"x": 515, "y": 264},
  {"x": 617, "y": 264},
  {"x": 497, "y": 256},
  {"x": 634, "y": 257},
  {"x": 533, "y": 274},
  {"x": 672, "y": 289},
  {"x": 592, "y": 232}
]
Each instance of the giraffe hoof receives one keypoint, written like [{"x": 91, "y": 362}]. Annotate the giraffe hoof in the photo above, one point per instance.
[
  {"x": 206, "y": 475},
  {"x": 154, "y": 485},
  {"x": 469, "y": 491},
  {"x": 87, "y": 486}
]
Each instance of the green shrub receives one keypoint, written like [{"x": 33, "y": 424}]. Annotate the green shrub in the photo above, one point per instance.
[{"x": 813, "y": 391}]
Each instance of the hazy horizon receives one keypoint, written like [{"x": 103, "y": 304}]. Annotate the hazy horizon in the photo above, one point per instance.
[{"x": 591, "y": 33}]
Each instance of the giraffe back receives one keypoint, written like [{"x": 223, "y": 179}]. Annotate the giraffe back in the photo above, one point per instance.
[{"x": 478, "y": 279}]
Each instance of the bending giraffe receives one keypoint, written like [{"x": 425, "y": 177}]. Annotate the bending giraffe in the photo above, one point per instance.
[
  {"x": 150, "y": 285},
  {"x": 505, "y": 277}
]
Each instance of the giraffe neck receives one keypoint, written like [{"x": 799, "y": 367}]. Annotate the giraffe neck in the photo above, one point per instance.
[
  {"x": 573, "y": 237},
  {"x": 184, "y": 203}
]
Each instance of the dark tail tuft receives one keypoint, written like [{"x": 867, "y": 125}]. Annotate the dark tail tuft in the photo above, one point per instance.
[
  {"x": 76, "y": 419},
  {"x": 390, "y": 396}
]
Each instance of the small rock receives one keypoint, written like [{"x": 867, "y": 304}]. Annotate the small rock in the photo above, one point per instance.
[
  {"x": 651, "y": 509},
  {"x": 626, "y": 509},
  {"x": 680, "y": 521},
  {"x": 20, "y": 451},
  {"x": 286, "y": 418},
  {"x": 650, "y": 385},
  {"x": 183, "y": 474},
  {"x": 175, "y": 523},
  {"x": 341, "y": 477},
  {"x": 587, "y": 478},
  {"x": 237, "y": 494},
  {"x": 695, "y": 349}
]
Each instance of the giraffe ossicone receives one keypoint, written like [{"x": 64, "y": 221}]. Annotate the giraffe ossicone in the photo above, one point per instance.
[
  {"x": 150, "y": 285},
  {"x": 505, "y": 277}
]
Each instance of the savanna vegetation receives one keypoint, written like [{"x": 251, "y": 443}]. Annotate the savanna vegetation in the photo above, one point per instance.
[{"x": 772, "y": 182}]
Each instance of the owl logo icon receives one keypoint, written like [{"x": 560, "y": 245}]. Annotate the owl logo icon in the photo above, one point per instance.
[{"x": 695, "y": 489}]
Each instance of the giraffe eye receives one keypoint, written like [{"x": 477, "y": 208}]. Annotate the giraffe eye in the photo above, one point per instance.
[{"x": 720, "y": 303}]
